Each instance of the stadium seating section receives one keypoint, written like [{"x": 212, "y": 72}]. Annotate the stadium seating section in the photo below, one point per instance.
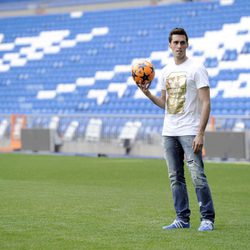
[
  {"x": 10, "y": 5},
  {"x": 80, "y": 63}
]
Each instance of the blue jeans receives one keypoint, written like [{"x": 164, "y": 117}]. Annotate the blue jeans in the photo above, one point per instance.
[{"x": 176, "y": 149}]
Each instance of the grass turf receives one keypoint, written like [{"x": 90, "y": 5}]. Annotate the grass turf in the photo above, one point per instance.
[{"x": 64, "y": 202}]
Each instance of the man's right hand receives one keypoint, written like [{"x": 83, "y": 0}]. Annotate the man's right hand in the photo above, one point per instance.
[{"x": 145, "y": 88}]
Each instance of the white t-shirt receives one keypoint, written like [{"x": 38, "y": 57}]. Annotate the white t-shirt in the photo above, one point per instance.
[{"x": 183, "y": 108}]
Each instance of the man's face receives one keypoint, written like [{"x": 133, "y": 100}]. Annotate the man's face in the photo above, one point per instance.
[{"x": 178, "y": 46}]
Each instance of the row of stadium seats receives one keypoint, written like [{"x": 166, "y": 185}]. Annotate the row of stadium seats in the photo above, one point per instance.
[
  {"x": 6, "y": 5},
  {"x": 80, "y": 63},
  {"x": 96, "y": 129},
  {"x": 92, "y": 129}
]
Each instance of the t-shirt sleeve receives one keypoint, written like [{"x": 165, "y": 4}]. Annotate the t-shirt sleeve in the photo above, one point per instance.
[{"x": 201, "y": 77}]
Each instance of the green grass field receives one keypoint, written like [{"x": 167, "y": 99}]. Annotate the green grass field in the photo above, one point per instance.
[{"x": 66, "y": 202}]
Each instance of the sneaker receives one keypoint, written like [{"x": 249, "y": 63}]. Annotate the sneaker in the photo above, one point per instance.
[
  {"x": 177, "y": 224},
  {"x": 206, "y": 225}
]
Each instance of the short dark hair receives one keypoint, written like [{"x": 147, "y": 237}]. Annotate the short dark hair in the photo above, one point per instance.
[{"x": 177, "y": 31}]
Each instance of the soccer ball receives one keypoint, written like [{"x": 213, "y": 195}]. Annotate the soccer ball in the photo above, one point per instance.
[{"x": 143, "y": 73}]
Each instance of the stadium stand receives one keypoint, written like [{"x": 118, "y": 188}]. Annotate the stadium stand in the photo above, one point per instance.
[
  {"x": 31, "y": 7},
  {"x": 80, "y": 62}
]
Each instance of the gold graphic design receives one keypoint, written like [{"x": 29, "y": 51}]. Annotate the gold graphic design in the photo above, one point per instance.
[{"x": 176, "y": 85}]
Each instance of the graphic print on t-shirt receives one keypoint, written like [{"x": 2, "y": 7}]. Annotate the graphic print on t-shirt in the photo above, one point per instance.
[{"x": 176, "y": 85}]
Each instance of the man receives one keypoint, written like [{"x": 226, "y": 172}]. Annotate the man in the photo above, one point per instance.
[{"x": 185, "y": 96}]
